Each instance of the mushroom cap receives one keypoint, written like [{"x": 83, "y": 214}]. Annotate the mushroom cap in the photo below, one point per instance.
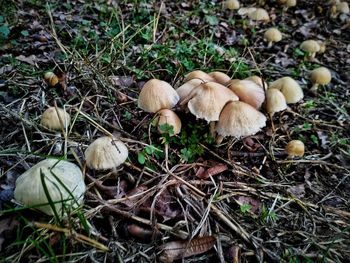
[
  {"x": 232, "y": 4},
  {"x": 290, "y": 3},
  {"x": 30, "y": 190},
  {"x": 289, "y": 88},
  {"x": 295, "y": 148},
  {"x": 51, "y": 78},
  {"x": 322, "y": 46},
  {"x": 258, "y": 81},
  {"x": 249, "y": 92},
  {"x": 259, "y": 14},
  {"x": 51, "y": 118},
  {"x": 220, "y": 77},
  {"x": 246, "y": 10},
  {"x": 275, "y": 101},
  {"x": 198, "y": 74},
  {"x": 156, "y": 95},
  {"x": 310, "y": 46},
  {"x": 273, "y": 35},
  {"x": 169, "y": 117},
  {"x": 239, "y": 119},
  {"x": 185, "y": 89},
  {"x": 343, "y": 7},
  {"x": 105, "y": 153},
  {"x": 321, "y": 76},
  {"x": 208, "y": 100}
]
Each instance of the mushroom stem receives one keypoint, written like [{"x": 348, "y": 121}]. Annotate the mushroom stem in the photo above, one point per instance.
[
  {"x": 269, "y": 45},
  {"x": 166, "y": 149},
  {"x": 314, "y": 87},
  {"x": 212, "y": 126},
  {"x": 272, "y": 124},
  {"x": 219, "y": 139}
]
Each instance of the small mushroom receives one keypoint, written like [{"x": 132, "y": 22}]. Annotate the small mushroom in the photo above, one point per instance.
[
  {"x": 63, "y": 181},
  {"x": 258, "y": 81},
  {"x": 272, "y": 35},
  {"x": 291, "y": 90},
  {"x": 320, "y": 76},
  {"x": 249, "y": 92},
  {"x": 185, "y": 89},
  {"x": 105, "y": 153},
  {"x": 220, "y": 77},
  {"x": 290, "y": 3},
  {"x": 259, "y": 14},
  {"x": 156, "y": 95},
  {"x": 51, "y": 78},
  {"x": 311, "y": 47},
  {"x": 231, "y": 4},
  {"x": 322, "y": 46},
  {"x": 295, "y": 148},
  {"x": 239, "y": 119},
  {"x": 275, "y": 102},
  {"x": 169, "y": 117},
  {"x": 198, "y": 74},
  {"x": 343, "y": 7},
  {"x": 55, "y": 119}
]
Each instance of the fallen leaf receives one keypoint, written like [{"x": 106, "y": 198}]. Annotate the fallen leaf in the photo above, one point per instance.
[
  {"x": 205, "y": 174},
  {"x": 32, "y": 59},
  {"x": 123, "y": 81},
  {"x": 246, "y": 200},
  {"x": 234, "y": 254},
  {"x": 142, "y": 233},
  {"x": 297, "y": 190}
]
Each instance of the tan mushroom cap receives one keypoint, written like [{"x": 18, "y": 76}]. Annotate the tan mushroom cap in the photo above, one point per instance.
[
  {"x": 220, "y": 77},
  {"x": 321, "y": 76},
  {"x": 259, "y": 14},
  {"x": 169, "y": 117},
  {"x": 105, "y": 153},
  {"x": 185, "y": 89},
  {"x": 239, "y": 119},
  {"x": 258, "y": 81},
  {"x": 249, "y": 92},
  {"x": 156, "y": 95},
  {"x": 51, "y": 78},
  {"x": 295, "y": 148},
  {"x": 291, "y": 90},
  {"x": 207, "y": 101},
  {"x": 198, "y": 74},
  {"x": 52, "y": 121},
  {"x": 310, "y": 46},
  {"x": 322, "y": 46},
  {"x": 291, "y": 3},
  {"x": 231, "y": 4},
  {"x": 275, "y": 101},
  {"x": 273, "y": 35},
  {"x": 343, "y": 7}
]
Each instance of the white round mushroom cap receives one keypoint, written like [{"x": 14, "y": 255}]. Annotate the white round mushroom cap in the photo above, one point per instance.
[
  {"x": 30, "y": 191},
  {"x": 275, "y": 101},
  {"x": 106, "y": 153},
  {"x": 51, "y": 118},
  {"x": 291, "y": 90},
  {"x": 321, "y": 75}
]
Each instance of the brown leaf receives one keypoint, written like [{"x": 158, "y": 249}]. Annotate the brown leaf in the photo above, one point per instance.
[
  {"x": 249, "y": 201},
  {"x": 142, "y": 233},
  {"x": 297, "y": 190},
  {"x": 205, "y": 174},
  {"x": 123, "y": 81},
  {"x": 181, "y": 249},
  {"x": 234, "y": 254},
  {"x": 32, "y": 59}
]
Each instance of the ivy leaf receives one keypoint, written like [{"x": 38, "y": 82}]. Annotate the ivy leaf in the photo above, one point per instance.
[{"x": 141, "y": 158}]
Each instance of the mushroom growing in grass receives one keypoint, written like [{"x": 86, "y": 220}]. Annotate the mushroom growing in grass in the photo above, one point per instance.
[
  {"x": 295, "y": 148},
  {"x": 231, "y": 4},
  {"x": 275, "y": 102},
  {"x": 311, "y": 47},
  {"x": 220, "y": 77},
  {"x": 322, "y": 46},
  {"x": 207, "y": 101},
  {"x": 198, "y": 74},
  {"x": 51, "y": 78},
  {"x": 106, "y": 153},
  {"x": 272, "y": 35},
  {"x": 156, "y": 95},
  {"x": 52, "y": 186},
  {"x": 320, "y": 76},
  {"x": 258, "y": 81},
  {"x": 289, "y": 3},
  {"x": 249, "y": 92},
  {"x": 168, "y": 117},
  {"x": 185, "y": 89},
  {"x": 291, "y": 90},
  {"x": 259, "y": 14},
  {"x": 239, "y": 119}
]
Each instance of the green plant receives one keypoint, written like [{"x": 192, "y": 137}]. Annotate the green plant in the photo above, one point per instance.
[
  {"x": 267, "y": 215},
  {"x": 244, "y": 208}
]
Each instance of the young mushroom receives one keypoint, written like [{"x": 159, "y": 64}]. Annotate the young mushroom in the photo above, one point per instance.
[
  {"x": 311, "y": 47},
  {"x": 51, "y": 78},
  {"x": 295, "y": 148},
  {"x": 220, "y": 77},
  {"x": 289, "y": 3},
  {"x": 272, "y": 35},
  {"x": 51, "y": 183},
  {"x": 259, "y": 14},
  {"x": 289, "y": 88},
  {"x": 55, "y": 119},
  {"x": 185, "y": 89},
  {"x": 249, "y": 92},
  {"x": 231, "y": 4},
  {"x": 169, "y": 117},
  {"x": 239, "y": 119},
  {"x": 320, "y": 76},
  {"x": 198, "y": 74},
  {"x": 258, "y": 81},
  {"x": 106, "y": 153},
  {"x": 156, "y": 95},
  {"x": 275, "y": 102}
]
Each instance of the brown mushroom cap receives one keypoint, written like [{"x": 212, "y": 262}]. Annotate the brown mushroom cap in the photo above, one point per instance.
[
  {"x": 291, "y": 90},
  {"x": 310, "y": 46},
  {"x": 273, "y": 35},
  {"x": 220, "y": 77},
  {"x": 259, "y": 14},
  {"x": 207, "y": 101},
  {"x": 232, "y": 4},
  {"x": 239, "y": 119},
  {"x": 295, "y": 148},
  {"x": 105, "y": 153},
  {"x": 275, "y": 101},
  {"x": 52, "y": 118},
  {"x": 198, "y": 74},
  {"x": 156, "y": 95},
  {"x": 249, "y": 92},
  {"x": 258, "y": 81},
  {"x": 185, "y": 89},
  {"x": 343, "y": 7},
  {"x": 51, "y": 78},
  {"x": 321, "y": 76},
  {"x": 169, "y": 117}
]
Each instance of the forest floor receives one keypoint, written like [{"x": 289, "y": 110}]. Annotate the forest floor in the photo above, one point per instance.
[{"x": 242, "y": 200}]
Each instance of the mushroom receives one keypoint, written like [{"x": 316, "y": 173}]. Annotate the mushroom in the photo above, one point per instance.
[
  {"x": 198, "y": 74},
  {"x": 55, "y": 118},
  {"x": 51, "y": 183},
  {"x": 258, "y": 81},
  {"x": 207, "y": 101},
  {"x": 156, "y": 95},
  {"x": 290, "y": 3},
  {"x": 185, "y": 89},
  {"x": 220, "y": 77},
  {"x": 343, "y": 7},
  {"x": 105, "y": 153},
  {"x": 259, "y": 14},
  {"x": 320, "y": 76},
  {"x": 249, "y": 92},
  {"x": 275, "y": 102},
  {"x": 231, "y": 4},
  {"x": 289, "y": 88},
  {"x": 311, "y": 47},
  {"x": 169, "y": 117},
  {"x": 322, "y": 46},
  {"x": 272, "y": 35},
  {"x": 239, "y": 119},
  {"x": 51, "y": 78},
  {"x": 295, "y": 148}
]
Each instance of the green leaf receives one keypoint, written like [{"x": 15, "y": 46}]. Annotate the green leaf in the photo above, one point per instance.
[
  {"x": 211, "y": 20},
  {"x": 141, "y": 158},
  {"x": 4, "y": 31},
  {"x": 245, "y": 208},
  {"x": 314, "y": 139},
  {"x": 25, "y": 33}
]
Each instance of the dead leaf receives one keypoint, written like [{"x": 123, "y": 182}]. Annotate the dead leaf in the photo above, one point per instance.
[
  {"x": 246, "y": 200},
  {"x": 181, "y": 249},
  {"x": 206, "y": 173},
  {"x": 142, "y": 233},
  {"x": 123, "y": 81},
  {"x": 32, "y": 59},
  {"x": 297, "y": 190},
  {"x": 234, "y": 254}
]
